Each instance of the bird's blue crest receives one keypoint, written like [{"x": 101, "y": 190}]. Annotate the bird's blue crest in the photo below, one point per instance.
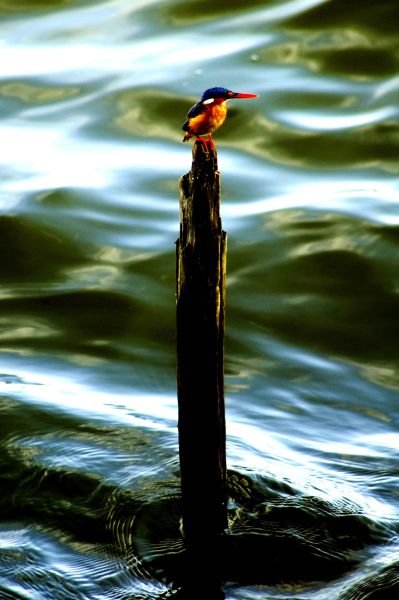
[{"x": 215, "y": 92}]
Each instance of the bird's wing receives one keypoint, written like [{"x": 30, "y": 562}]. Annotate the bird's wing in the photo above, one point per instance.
[{"x": 193, "y": 112}]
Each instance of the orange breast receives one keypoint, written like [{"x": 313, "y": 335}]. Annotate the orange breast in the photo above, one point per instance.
[{"x": 210, "y": 120}]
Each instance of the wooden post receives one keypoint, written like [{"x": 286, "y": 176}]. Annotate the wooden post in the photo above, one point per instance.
[{"x": 201, "y": 280}]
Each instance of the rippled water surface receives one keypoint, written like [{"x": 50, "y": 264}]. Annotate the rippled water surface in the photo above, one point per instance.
[{"x": 92, "y": 98}]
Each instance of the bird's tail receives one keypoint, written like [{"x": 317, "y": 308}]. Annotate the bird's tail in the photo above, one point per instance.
[{"x": 187, "y": 137}]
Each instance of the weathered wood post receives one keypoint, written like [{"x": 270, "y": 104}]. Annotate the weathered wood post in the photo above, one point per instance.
[{"x": 201, "y": 280}]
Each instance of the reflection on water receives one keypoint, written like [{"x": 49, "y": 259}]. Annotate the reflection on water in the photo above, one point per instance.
[{"x": 92, "y": 97}]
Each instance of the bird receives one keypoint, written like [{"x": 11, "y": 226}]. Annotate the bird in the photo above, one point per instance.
[{"x": 209, "y": 113}]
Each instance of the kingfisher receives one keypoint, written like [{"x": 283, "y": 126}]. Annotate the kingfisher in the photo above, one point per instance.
[{"x": 209, "y": 113}]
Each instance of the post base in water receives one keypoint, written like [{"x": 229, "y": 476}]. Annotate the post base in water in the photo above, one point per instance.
[{"x": 275, "y": 537}]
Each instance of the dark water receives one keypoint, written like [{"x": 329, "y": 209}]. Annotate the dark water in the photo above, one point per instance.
[{"x": 92, "y": 98}]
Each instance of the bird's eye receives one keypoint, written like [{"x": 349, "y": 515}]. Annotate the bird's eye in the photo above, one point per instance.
[
  {"x": 209, "y": 101},
  {"x": 230, "y": 93}
]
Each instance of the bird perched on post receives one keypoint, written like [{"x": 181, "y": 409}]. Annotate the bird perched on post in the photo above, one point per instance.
[{"x": 209, "y": 113}]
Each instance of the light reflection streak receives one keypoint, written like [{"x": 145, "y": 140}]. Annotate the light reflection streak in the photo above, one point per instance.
[
  {"x": 265, "y": 453},
  {"x": 77, "y": 62},
  {"x": 23, "y": 328},
  {"x": 386, "y": 441},
  {"x": 279, "y": 11},
  {"x": 386, "y": 87},
  {"x": 48, "y": 159},
  {"x": 98, "y": 20},
  {"x": 136, "y": 409},
  {"x": 328, "y": 195},
  {"x": 318, "y": 122}
]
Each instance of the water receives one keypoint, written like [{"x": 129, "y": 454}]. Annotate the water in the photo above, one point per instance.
[{"x": 92, "y": 99}]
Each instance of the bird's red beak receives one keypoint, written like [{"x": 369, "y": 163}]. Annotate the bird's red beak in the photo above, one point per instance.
[{"x": 237, "y": 95}]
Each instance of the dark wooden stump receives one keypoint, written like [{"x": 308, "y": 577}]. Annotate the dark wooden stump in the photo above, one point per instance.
[{"x": 201, "y": 277}]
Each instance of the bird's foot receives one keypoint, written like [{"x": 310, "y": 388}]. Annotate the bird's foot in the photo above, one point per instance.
[
  {"x": 208, "y": 142},
  {"x": 200, "y": 139},
  {"x": 211, "y": 142}
]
